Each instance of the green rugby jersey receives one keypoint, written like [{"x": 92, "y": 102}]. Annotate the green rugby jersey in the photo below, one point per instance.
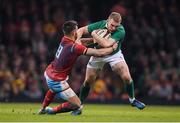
[{"x": 117, "y": 35}]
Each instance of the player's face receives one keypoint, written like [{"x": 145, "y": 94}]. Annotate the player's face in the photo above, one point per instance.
[{"x": 112, "y": 25}]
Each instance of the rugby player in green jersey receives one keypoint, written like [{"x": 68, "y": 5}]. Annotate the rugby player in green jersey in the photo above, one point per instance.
[{"x": 116, "y": 59}]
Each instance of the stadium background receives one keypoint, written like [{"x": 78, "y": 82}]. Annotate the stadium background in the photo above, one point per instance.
[{"x": 31, "y": 31}]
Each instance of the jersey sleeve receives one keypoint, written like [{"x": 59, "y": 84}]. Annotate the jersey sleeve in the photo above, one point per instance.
[
  {"x": 94, "y": 26},
  {"x": 80, "y": 49},
  {"x": 119, "y": 34}
]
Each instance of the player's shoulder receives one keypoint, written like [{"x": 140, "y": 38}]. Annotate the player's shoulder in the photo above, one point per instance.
[
  {"x": 97, "y": 25},
  {"x": 79, "y": 49},
  {"x": 103, "y": 21},
  {"x": 121, "y": 29},
  {"x": 79, "y": 46}
]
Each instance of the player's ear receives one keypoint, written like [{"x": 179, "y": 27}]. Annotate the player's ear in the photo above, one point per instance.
[
  {"x": 74, "y": 32},
  {"x": 75, "y": 35}
]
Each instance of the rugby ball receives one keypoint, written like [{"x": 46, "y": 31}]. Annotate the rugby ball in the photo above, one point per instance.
[{"x": 104, "y": 33}]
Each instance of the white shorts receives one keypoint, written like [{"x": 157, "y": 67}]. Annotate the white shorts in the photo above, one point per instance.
[
  {"x": 61, "y": 88},
  {"x": 98, "y": 62}
]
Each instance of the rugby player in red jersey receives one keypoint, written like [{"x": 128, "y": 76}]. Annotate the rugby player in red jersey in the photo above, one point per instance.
[{"x": 56, "y": 74}]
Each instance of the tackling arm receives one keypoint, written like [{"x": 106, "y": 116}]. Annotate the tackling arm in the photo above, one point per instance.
[
  {"x": 81, "y": 31},
  {"x": 102, "y": 51}
]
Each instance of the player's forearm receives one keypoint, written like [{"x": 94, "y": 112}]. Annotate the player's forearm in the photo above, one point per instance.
[
  {"x": 105, "y": 51},
  {"x": 99, "y": 52},
  {"x": 79, "y": 34},
  {"x": 81, "y": 31}
]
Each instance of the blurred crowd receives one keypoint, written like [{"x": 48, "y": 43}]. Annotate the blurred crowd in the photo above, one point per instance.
[{"x": 31, "y": 32}]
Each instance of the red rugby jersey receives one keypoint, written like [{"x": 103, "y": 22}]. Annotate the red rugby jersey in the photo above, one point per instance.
[{"x": 65, "y": 57}]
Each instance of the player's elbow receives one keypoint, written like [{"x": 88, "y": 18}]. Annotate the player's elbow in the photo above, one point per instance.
[{"x": 82, "y": 30}]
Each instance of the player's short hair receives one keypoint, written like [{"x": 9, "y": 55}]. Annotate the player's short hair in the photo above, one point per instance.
[
  {"x": 115, "y": 16},
  {"x": 69, "y": 26}
]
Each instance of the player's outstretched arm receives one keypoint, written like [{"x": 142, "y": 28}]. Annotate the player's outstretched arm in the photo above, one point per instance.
[
  {"x": 102, "y": 41},
  {"x": 102, "y": 51},
  {"x": 81, "y": 31}
]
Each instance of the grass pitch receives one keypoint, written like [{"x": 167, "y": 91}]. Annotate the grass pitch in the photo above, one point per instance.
[{"x": 26, "y": 112}]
